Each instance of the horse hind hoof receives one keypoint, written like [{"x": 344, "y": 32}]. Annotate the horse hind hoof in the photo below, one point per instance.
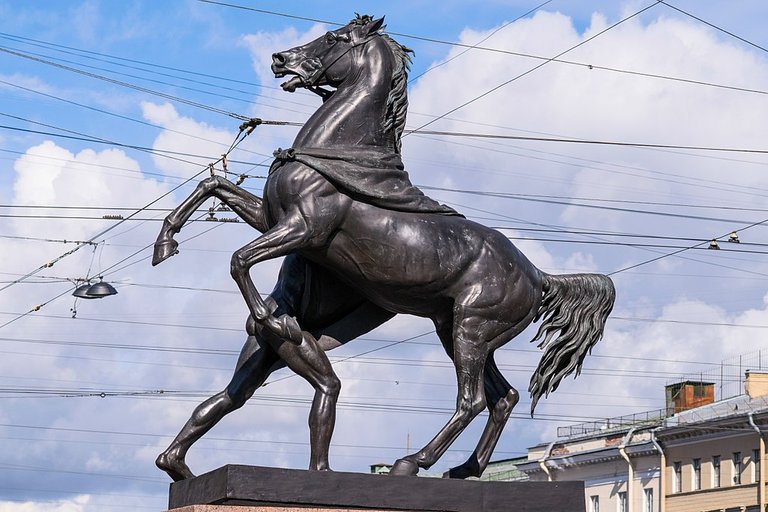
[
  {"x": 462, "y": 472},
  {"x": 404, "y": 467},
  {"x": 176, "y": 469},
  {"x": 164, "y": 250}
]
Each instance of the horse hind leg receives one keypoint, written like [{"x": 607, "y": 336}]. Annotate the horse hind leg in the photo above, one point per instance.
[
  {"x": 470, "y": 351},
  {"x": 308, "y": 360},
  {"x": 257, "y": 361},
  {"x": 501, "y": 398}
]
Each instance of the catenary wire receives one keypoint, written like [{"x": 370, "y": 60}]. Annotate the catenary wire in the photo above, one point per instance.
[
  {"x": 531, "y": 70},
  {"x": 712, "y": 25},
  {"x": 493, "y": 32}
]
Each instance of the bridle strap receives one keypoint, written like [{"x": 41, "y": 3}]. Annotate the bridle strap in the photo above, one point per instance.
[{"x": 324, "y": 93}]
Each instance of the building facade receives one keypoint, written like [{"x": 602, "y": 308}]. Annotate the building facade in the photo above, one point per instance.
[{"x": 697, "y": 455}]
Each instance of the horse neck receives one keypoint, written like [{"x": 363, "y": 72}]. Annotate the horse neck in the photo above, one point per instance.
[{"x": 354, "y": 115}]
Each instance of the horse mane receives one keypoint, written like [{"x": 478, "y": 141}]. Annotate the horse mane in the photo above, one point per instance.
[{"x": 397, "y": 101}]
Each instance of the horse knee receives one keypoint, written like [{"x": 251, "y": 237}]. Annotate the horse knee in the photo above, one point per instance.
[
  {"x": 237, "y": 265},
  {"x": 209, "y": 184},
  {"x": 330, "y": 385}
]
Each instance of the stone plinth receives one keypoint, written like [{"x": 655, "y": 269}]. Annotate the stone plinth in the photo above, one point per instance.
[
  {"x": 246, "y": 508},
  {"x": 256, "y": 489}
]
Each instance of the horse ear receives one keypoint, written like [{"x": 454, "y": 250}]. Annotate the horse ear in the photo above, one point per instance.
[{"x": 374, "y": 26}]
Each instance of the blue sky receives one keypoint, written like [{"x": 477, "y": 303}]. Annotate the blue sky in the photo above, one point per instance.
[{"x": 178, "y": 327}]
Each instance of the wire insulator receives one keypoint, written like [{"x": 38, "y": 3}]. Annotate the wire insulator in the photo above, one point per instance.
[{"x": 250, "y": 125}]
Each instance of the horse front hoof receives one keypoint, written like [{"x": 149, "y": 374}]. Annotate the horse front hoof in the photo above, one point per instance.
[
  {"x": 176, "y": 468},
  {"x": 404, "y": 467},
  {"x": 164, "y": 249}
]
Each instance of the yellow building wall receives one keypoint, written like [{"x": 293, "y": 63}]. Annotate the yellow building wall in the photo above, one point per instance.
[
  {"x": 719, "y": 499},
  {"x": 729, "y": 494}
]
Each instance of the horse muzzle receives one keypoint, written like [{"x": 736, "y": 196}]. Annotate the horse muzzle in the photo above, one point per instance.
[{"x": 305, "y": 71}]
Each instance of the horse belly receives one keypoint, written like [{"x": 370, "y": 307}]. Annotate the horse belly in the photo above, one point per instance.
[{"x": 406, "y": 263}]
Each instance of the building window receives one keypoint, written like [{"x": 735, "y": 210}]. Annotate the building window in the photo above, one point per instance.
[
  {"x": 696, "y": 465},
  {"x": 715, "y": 471},
  {"x": 647, "y": 500},
  {"x": 756, "y": 465},
  {"x": 622, "y": 501},
  {"x": 677, "y": 476},
  {"x": 594, "y": 504},
  {"x": 736, "y": 458}
]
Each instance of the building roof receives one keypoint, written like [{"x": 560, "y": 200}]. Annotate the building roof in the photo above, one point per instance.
[{"x": 736, "y": 406}]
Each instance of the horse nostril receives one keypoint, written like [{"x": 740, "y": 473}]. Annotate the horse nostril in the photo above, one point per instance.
[{"x": 278, "y": 58}]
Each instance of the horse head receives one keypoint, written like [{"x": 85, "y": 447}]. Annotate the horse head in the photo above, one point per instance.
[{"x": 327, "y": 60}]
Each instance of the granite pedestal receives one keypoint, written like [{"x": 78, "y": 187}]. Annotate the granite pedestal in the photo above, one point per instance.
[{"x": 235, "y": 488}]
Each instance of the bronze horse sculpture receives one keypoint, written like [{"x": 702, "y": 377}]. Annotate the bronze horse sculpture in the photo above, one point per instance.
[{"x": 362, "y": 244}]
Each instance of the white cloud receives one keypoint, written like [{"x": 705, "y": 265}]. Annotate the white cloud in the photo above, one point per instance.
[
  {"x": 184, "y": 135},
  {"x": 78, "y": 504},
  {"x": 263, "y": 44}
]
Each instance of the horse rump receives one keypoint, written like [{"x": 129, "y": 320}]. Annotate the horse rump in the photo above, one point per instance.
[{"x": 573, "y": 313}]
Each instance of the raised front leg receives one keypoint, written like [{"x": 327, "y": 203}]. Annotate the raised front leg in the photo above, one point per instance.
[{"x": 246, "y": 205}]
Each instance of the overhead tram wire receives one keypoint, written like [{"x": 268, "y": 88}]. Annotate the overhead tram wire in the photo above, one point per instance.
[
  {"x": 740, "y": 249},
  {"x": 442, "y": 133},
  {"x": 494, "y": 32},
  {"x": 609, "y": 200},
  {"x": 675, "y": 253},
  {"x": 574, "y": 141},
  {"x": 52, "y": 60},
  {"x": 498, "y": 50},
  {"x": 531, "y": 70},
  {"x": 114, "y": 114},
  {"x": 644, "y": 173},
  {"x": 436, "y": 118},
  {"x": 688, "y": 258},
  {"x": 564, "y": 202},
  {"x": 88, "y": 138},
  {"x": 78, "y": 247},
  {"x": 590, "y": 66},
  {"x": 181, "y": 349},
  {"x": 82, "y": 54},
  {"x": 712, "y": 25},
  {"x": 518, "y": 228},
  {"x": 18, "y": 38},
  {"x": 129, "y": 85},
  {"x": 160, "y": 151},
  {"x": 235, "y": 143},
  {"x": 96, "y": 140}
]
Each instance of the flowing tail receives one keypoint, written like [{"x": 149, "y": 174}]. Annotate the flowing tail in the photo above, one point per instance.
[{"x": 575, "y": 307}]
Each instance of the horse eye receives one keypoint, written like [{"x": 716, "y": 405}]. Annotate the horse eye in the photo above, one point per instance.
[{"x": 330, "y": 38}]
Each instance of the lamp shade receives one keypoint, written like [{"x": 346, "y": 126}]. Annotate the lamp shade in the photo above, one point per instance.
[
  {"x": 81, "y": 291},
  {"x": 100, "y": 289}
]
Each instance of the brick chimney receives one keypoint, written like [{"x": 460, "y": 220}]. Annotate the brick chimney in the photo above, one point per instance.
[{"x": 690, "y": 394}]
